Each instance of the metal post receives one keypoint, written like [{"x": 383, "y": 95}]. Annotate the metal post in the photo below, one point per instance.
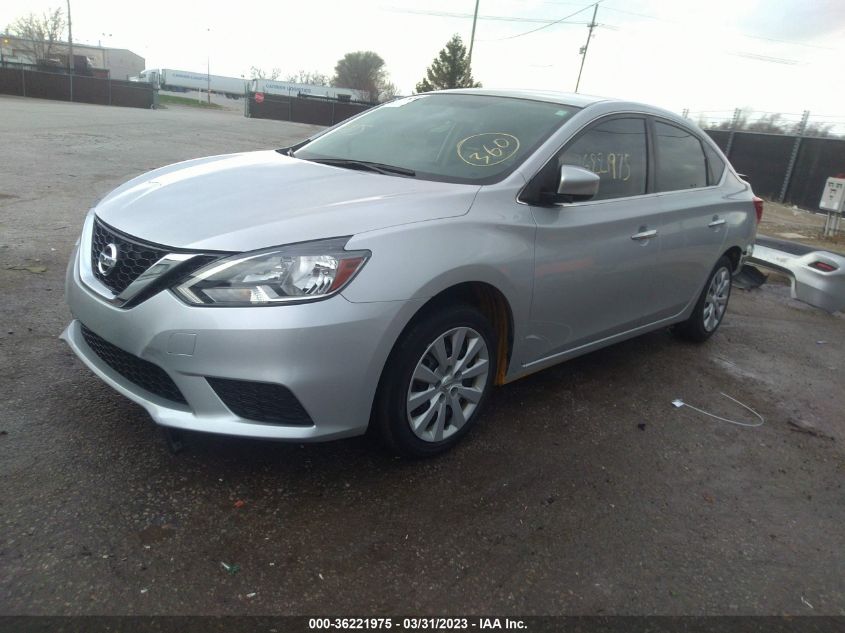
[
  {"x": 472, "y": 37},
  {"x": 70, "y": 46},
  {"x": 208, "y": 66},
  {"x": 734, "y": 122},
  {"x": 586, "y": 46},
  {"x": 793, "y": 157}
]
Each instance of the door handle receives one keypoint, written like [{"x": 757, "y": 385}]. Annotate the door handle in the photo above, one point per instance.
[
  {"x": 644, "y": 235},
  {"x": 717, "y": 221}
]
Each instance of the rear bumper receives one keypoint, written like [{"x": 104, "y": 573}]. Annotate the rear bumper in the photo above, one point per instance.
[
  {"x": 329, "y": 354},
  {"x": 825, "y": 290}
]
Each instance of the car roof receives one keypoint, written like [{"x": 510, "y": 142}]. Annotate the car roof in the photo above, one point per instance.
[
  {"x": 577, "y": 100},
  {"x": 563, "y": 98}
]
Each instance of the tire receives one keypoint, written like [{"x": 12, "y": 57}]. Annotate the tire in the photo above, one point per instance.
[
  {"x": 443, "y": 396},
  {"x": 711, "y": 305}
]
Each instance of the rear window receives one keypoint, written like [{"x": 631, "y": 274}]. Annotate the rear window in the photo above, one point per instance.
[{"x": 680, "y": 159}]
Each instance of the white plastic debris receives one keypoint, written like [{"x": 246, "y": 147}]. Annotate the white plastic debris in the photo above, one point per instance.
[{"x": 677, "y": 402}]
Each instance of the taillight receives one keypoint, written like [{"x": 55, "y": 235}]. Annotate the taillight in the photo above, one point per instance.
[
  {"x": 758, "y": 208},
  {"x": 823, "y": 266}
]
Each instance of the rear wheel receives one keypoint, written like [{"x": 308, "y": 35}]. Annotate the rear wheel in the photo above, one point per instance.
[
  {"x": 436, "y": 382},
  {"x": 711, "y": 306}
]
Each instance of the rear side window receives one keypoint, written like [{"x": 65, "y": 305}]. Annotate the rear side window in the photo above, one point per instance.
[
  {"x": 715, "y": 165},
  {"x": 616, "y": 151},
  {"x": 680, "y": 159}
]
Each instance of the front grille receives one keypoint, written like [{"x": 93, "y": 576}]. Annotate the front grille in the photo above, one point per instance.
[
  {"x": 133, "y": 257},
  {"x": 136, "y": 370},
  {"x": 261, "y": 401}
]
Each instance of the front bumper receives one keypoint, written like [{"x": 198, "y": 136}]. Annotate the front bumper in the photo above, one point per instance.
[{"x": 329, "y": 354}]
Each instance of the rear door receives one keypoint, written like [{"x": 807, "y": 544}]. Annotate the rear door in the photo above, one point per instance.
[
  {"x": 595, "y": 261},
  {"x": 693, "y": 223}
]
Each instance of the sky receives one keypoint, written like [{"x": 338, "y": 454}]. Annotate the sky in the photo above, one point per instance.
[{"x": 707, "y": 56}]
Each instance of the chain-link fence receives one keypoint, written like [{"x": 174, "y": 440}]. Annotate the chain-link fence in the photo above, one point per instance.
[
  {"x": 30, "y": 81},
  {"x": 787, "y": 157},
  {"x": 302, "y": 108}
]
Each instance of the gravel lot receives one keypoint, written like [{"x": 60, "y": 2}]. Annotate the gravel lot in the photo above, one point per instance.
[{"x": 583, "y": 491}]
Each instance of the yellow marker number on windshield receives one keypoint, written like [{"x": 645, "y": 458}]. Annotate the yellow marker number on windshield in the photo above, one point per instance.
[{"x": 487, "y": 149}]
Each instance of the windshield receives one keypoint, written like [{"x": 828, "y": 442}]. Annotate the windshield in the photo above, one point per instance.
[{"x": 474, "y": 139}]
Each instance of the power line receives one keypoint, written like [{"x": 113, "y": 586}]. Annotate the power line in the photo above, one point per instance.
[
  {"x": 496, "y": 18},
  {"x": 681, "y": 23},
  {"x": 566, "y": 17}
]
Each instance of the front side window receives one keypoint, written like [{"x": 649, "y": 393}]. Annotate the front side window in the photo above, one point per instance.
[
  {"x": 474, "y": 139},
  {"x": 680, "y": 159},
  {"x": 616, "y": 151}
]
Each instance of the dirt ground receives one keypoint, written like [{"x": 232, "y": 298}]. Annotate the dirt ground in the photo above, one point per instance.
[
  {"x": 582, "y": 491},
  {"x": 791, "y": 223}
]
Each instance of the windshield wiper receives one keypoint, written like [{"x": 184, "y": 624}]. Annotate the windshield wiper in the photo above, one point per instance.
[{"x": 380, "y": 168}]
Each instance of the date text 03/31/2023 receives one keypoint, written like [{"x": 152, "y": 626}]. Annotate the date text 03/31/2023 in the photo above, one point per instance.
[{"x": 414, "y": 624}]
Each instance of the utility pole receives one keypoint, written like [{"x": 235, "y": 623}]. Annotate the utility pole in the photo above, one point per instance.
[
  {"x": 208, "y": 66},
  {"x": 586, "y": 46},
  {"x": 472, "y": 37},
  {"x": 70, "y": 46}
]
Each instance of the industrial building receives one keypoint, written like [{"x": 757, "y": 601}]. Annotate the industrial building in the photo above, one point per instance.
[{"x": 120, "y": 63}]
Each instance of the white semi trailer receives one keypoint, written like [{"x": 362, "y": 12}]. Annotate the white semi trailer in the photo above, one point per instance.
[
  {"x": 289, "y": 88},
  {"x": 184, "y": 80}
]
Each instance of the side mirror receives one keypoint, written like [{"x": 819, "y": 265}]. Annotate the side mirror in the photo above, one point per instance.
[{"x": 576, "y": 184}]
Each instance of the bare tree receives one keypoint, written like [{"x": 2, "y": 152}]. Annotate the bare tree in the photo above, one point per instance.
[
  {"x": 260, "y": 73},
  {"x": 819, "y": 129},
  {"x": 388, "y": 91},
  {"x": 312, "y": 78},
  {"x": 768, "y": 123},
  {"x": 41, "y": 35}
]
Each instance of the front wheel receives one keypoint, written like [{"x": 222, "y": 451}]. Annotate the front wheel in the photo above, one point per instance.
[
  {"x": 711, "y": 305},
  {"x": 436, "y": 382}
]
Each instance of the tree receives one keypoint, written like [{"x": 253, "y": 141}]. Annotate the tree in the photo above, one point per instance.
[
  {"x": 388, "y": 92},
  {"x": 313, "y": 78},
  {"x": 361, "y": 70},
  {"x": 259, "y": 73},
  {"x": 41, "y": 34},
  {"x": 769, "y": 123},
  {"x": 819, "y": 129},
  {"x": 450, "y": 69}
]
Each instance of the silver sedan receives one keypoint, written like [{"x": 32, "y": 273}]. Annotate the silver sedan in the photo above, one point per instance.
[{"x": 389, "y": 271}]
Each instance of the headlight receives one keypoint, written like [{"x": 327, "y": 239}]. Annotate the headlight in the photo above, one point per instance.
[{"x": 301, "y": 272}]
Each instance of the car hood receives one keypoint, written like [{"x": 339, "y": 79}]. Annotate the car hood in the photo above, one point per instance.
[{"x": 253, "y": 200}]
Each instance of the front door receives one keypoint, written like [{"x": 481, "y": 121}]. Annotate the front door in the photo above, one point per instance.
[{"x": 596, "y": 261}]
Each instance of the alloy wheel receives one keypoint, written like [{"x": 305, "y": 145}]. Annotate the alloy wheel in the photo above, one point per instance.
[
  {"x": 716, "y": 300},
  {"x": 447, "y": 384}
]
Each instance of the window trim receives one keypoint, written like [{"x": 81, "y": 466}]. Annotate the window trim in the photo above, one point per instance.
[
  {"x": 707, "y": 158},
  {"x": 584, "y": 129}
]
